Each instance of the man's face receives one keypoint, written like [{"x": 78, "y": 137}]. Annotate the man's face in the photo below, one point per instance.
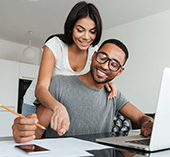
[{"x": 101, "y": 73}]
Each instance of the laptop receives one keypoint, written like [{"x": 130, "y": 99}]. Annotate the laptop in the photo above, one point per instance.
[{"x": 160, "y": 137}]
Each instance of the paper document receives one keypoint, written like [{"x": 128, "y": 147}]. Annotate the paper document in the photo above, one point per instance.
[{"x": 62, "y": 147}]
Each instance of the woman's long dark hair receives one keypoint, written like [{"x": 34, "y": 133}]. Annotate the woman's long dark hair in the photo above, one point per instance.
[{"x": 79, "y": 11}]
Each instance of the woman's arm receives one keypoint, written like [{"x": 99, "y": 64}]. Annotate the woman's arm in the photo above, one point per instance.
[
  {"x": 44, "y": 78},
  {"x": 60, "y": 118}
]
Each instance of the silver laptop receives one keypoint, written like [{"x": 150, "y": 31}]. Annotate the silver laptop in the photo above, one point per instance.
[{"x": 160, "y": 137}]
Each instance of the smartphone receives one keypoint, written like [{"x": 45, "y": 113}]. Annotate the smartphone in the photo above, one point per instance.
[{"x": 32, "y": 149}]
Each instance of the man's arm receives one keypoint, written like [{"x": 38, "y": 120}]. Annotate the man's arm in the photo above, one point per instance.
[
  {"x": 138, "y": 117},
  {"x": 44, "y": 116}
]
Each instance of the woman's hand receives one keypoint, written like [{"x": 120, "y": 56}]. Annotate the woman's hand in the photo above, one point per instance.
[
  {"x": 60, "y": 121},
  {"x": 111, "y": 87}
]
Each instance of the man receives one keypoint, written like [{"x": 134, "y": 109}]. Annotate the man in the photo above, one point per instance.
[{"x": 86, "y": 99}]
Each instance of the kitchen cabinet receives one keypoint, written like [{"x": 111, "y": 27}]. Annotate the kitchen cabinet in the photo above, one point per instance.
[
  {"x": 10, "y": 73},
  {"x": 28, "y": 71}
]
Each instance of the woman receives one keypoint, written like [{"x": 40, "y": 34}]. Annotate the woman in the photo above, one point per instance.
[{"x": 67, "y": 54}]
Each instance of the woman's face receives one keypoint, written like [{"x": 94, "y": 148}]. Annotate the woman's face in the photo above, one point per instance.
[{"x": 84, "y": 33}]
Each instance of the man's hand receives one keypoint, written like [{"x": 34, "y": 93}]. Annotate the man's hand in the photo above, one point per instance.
[
  {"x": 24, "y": 128},
  {"x": 146, "y": 128},
  {"x": 60, "y": 121}
]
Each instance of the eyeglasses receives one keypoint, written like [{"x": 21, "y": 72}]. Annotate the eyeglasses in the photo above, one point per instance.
[{"x": 114, "y": 65}]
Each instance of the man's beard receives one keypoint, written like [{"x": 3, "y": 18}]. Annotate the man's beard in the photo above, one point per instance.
[{"x": 99, "y": 81}]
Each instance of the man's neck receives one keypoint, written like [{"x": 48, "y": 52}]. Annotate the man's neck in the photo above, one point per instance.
[{"x": 88, "y": 80}]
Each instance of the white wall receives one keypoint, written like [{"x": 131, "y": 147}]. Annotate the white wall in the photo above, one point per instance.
[
  {"x": 148, "y": 41},
  {"x": 13, "y": 51}
]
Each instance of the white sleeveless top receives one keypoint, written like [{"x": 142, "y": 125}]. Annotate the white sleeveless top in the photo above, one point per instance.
[{"x": 61, "y": 67}]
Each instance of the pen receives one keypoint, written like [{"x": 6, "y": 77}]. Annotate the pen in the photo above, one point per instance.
[{"x": 40, "y": 126}]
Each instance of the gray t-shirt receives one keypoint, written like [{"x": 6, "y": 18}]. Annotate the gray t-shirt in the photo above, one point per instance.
[{"x": 89, "y": 109}]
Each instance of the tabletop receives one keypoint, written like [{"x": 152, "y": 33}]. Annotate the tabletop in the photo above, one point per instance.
[{"x": 114, "y": 151}]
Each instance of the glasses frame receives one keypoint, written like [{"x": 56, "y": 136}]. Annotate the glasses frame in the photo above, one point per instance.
[{"x": 97, "y": 53}]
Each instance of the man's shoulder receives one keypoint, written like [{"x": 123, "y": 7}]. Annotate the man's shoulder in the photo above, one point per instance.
[
  {"x": 119, "y": 93},
  {"x": 61, "y": 81},
  {"x": 63, "y": 77}
]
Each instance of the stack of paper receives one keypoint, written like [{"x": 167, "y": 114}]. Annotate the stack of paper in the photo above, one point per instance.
[{"x": 62, "y": 147}]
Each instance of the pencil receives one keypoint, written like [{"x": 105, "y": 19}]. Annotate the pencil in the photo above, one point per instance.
[{"x": 40, "y": 126}]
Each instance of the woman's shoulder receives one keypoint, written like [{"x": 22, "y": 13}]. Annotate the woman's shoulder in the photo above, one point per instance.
[
  {"x": 56, "y": 45},
  {"x": 93, "y": 48},
  {"x": 55, "y": 40}
]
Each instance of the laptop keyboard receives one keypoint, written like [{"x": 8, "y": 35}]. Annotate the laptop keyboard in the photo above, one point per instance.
[{"x": 143, "y": 142}]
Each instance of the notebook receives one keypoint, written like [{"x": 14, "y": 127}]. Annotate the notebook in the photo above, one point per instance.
[{"x": 160, "y": 137}]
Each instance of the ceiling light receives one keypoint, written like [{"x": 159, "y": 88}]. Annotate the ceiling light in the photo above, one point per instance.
[{"x": 29, "y": 52}]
